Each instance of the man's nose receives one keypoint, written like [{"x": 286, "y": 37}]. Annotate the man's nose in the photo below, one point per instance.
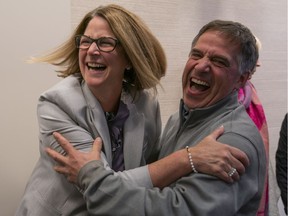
[{"x": 203, "y": 64}]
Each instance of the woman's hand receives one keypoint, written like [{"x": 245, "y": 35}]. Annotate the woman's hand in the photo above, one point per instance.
[
  {"x": 218, "y": 159},
  {"x": 74, "y": 160}
]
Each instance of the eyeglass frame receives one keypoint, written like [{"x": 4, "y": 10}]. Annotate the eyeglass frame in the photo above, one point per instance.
[{"x": 96, "y": 41}]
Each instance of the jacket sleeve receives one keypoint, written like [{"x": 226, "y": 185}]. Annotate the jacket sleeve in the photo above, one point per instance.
[
  {"x": 281, "y": 162},
  {"x": 53, "y": 117},
  {"x": 196, "y": 194}
]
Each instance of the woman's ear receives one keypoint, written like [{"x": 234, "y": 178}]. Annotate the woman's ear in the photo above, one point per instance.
[{"x": 128, "y": 66}]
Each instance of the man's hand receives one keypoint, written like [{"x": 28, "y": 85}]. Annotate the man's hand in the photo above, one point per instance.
[{"x": 71, "y": 164}]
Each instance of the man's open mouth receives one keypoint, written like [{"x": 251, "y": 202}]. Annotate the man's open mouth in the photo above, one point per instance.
[{"x": 199, "y": 85}]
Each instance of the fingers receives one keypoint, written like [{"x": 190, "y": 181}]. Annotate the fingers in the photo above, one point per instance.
[
  {"x": 56, "y": 156},
  {"x": 221, "y": 158},
  {"x": 239, "y": 158},
  {"x": 61, "y": 160},
  {"x": 97, "y": 145},
  {"x": 233, "y": 174},
  {"x": 238, "y": 165},
  {"x": 217, "y": 132},
  {"x": 228, "y": 176},
  {"x": 63, "y": 170},
  {"x": 65, "y": 144},
  {"x": 239, "y": 155},
  {"x": 238, "y": 161},
  {"x": 224, "y": 168},
  {"x": 223, "y": 174}
]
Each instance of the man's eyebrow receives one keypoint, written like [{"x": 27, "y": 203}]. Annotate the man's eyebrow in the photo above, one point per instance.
[{"x": 195, "y": 50}]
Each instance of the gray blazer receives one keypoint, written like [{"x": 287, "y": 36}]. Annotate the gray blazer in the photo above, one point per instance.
[{"x": 71, "y": 109}]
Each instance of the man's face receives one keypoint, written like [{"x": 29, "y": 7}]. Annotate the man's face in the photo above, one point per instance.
[{"x": 211, "y": 72}]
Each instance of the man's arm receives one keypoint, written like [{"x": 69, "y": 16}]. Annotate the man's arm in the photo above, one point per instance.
[{"x": 217, "y": 161}]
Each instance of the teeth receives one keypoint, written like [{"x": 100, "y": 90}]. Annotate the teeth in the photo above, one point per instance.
[
  {"x": 199, "y": 82},
  {"x": 95, "y": 65}
]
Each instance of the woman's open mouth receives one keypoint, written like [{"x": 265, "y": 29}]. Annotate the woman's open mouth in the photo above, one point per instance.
[{"x": 95, "y": 66}]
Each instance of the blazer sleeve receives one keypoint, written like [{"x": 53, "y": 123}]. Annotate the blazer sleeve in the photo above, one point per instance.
[
  {"x": 196, "y": 194},
  {"x": 52, "y": 117}
]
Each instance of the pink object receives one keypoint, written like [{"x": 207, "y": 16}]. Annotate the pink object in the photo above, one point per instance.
[{"x": 249, "y": 98}]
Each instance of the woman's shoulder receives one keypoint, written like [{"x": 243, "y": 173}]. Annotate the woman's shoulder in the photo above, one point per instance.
[
  {"x": 69, "y": 88},
  {"x": 70, "y": 83}
]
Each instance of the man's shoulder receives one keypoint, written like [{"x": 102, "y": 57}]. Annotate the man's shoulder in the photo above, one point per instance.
[
  {"x": 241, "y": 128},
  {"x": 238, "y": 121}
]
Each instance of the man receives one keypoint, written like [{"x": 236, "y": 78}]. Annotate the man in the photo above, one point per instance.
[{"x": 222, "y": 56}]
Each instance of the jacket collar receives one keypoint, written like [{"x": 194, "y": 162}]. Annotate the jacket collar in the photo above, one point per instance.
[{"x": 194, "y": 116}]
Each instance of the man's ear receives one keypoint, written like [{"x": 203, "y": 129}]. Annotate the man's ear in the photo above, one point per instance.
[{"x": 242, "y": 80}]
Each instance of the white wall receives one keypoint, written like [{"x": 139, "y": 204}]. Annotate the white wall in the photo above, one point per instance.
[
  {"x": 27, "y": 28},
  {"x": 32, "y": 26}
]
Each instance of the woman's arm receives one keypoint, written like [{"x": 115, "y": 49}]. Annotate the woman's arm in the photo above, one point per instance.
[
  {"x": 209, "y": 157},
  {"x": 53, "y": 116}
]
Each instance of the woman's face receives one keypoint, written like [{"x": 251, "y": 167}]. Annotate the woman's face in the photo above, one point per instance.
[{"x": 102, "y": 71}]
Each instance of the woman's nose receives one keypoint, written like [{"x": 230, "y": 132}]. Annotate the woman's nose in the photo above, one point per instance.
[{"x": 93, "y": 49}]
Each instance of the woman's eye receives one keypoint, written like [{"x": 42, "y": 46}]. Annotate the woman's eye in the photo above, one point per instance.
[
  {"x": 85, "y": 42},
  {"x": 106, "y": 42}
]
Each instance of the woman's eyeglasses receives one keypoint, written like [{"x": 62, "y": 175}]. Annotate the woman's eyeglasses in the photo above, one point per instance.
[{"x": 104, "y": 44}]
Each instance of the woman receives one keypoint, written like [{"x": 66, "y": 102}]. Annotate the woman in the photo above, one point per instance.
[
  {"x": 108, "y": 71},
  {"x": 113, "y": 47}
]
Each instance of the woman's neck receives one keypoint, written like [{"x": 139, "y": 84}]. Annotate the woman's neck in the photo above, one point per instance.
[{"x": 109, "y": 100}]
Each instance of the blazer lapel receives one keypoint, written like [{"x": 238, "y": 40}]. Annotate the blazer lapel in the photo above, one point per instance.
[
  {"x": 133, "y": 139},
  {"x": 97, "y": 121}
]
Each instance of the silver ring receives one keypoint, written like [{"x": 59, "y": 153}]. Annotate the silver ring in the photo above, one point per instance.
[{"x": 232, "y": 172}]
